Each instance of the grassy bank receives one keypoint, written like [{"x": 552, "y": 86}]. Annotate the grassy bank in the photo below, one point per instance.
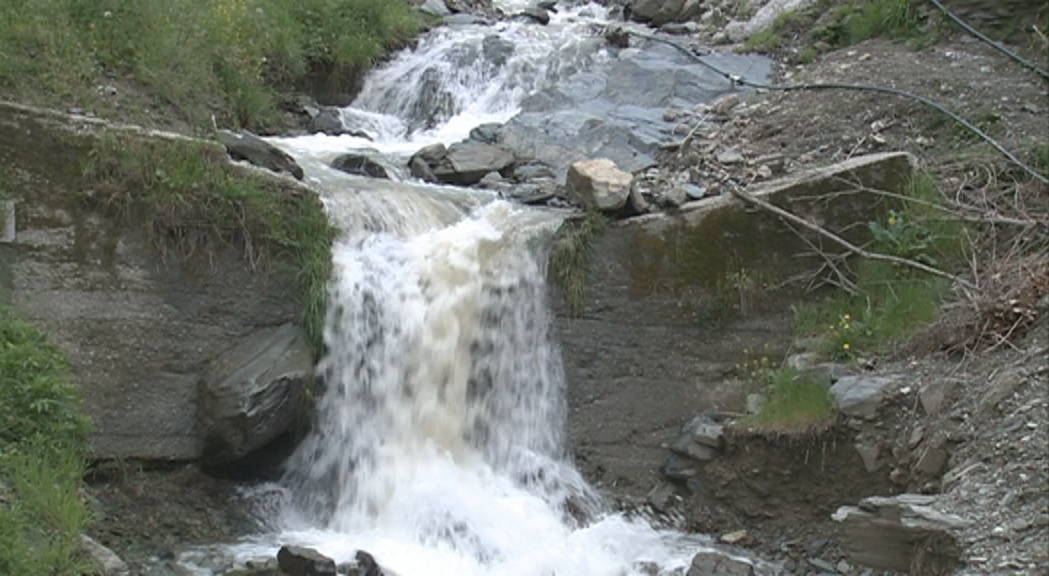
[
  {"x": 42, "y": 443},
  {"x": 228, "y": 58},
  {"x": 885, "y": 305},
  {"x": 192, "y": 203}
]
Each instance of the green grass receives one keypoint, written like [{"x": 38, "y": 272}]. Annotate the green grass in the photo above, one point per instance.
[
  {"x": 190, "y": 201},
  {"x": 42, "y": 442},
  {"x": 570, "y": 257},
  {"x": 223, "y": 57},
  {"x": 891, "y": 302},
  {"x": 794, "y": 402},
  {"x": 771, "y": 38},
  {"x": 853, "y": 22}
]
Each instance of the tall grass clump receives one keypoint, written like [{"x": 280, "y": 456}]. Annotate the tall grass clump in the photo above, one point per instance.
[
  {"x": 229, "y": 58},
  {"x": 192, "y": 203},
  {"x": 890, "y": 301},
  {"x": 570, "y": 257},
  {"x": 794, "y": 402},
  {"x": 43, "y": 436}
]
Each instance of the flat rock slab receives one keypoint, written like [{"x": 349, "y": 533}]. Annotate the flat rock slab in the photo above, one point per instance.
[
  {"x": 860, "y": 396},
  {"x": 903, "y": 533}
]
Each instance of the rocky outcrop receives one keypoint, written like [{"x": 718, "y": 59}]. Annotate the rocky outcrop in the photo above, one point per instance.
[
  {"x": 360, "y": 165},
  {"x": 673, "y": 300},
  {"x": 139, "y": 326},
  {"x": 302, "y": 561},
  {"x": 253, "y": 393},
  {"x": 598, "y": 184},
  {"x": 254, "y": 150},
  {"x": 903, "y": 533},
  {"x": 860, "y": 396}
]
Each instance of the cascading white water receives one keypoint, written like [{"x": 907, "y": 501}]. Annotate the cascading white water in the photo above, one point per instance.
[{"x": 439, "y": 445}]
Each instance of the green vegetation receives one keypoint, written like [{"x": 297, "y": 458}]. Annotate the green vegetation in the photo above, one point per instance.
[
  {"x": 42, "y": 443},
  {"x": 191, "y": 201},
  {"x": 571, "y": 257},
  {"x": 224, "y": 57},
  {"x": 890, "y": 302},
  {"x": 770, "y": 38},
  {"x": 795, "y": 402}
]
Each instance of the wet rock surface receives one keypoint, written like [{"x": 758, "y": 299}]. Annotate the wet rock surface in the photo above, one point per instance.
[
  {"x": 253, "y": 393},
  {"x": 254, "y": 150}
]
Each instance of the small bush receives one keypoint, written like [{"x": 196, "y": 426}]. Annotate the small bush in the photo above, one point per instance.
[
  {"x": 891, "y": 301},
  {"x": 794, "y": 402},
  {"x": 191, "y": 202},
  {"x": 42, "y": 441}
]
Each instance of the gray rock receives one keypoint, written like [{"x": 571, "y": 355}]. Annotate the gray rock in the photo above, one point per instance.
[
  {"x": 662, "y": 497},
  {"x": 302, "y": 561},
  {"x": 533, "y": 171},
  {"x": 435, "y": 8},
  {"x": 679, "y": 28},
  {"x": 496, "y": 50},
  {"x": 730, "y": 156},
  {"x": 903, "y": 533},
  {"x": 364, "y": 564},
  {"x": 677, "y": 469},
  {"x": 434, "y": 104},
  {"x": 536, "y": 14},
  {"x": 657, "y": 12},
  {"x": 705, "y": 431},
  {"x": 598, "y": 184},
  {"x": 713, "y": 563},
  {"x": 254, "y": 150},
  {"x": 418, "y": 168},
  {"x": 686, "y": 446},
  {"x": 493, "y": 181},
  {"x": 674, "y": 196},
  {"x": 360, "y": 165},
  {"x": 330, "y": 121},
  {"x": 252, "y": 393},
  {"x": 869, "y": 455},
  {"x": 432, "y": 154},
  {"x": 538, "y": 192},
  {"x": 486, "y": 133},
  {"x": 860, "y": 395},
  {"x": 7, "y": 222},
  {"x": 108, "y": 563},
  {"x": 694, "y": 191},
  {"x": 932, "y": 394},
  {"x": 637, "y": 202},
  {"x": 467, "y": 162}
]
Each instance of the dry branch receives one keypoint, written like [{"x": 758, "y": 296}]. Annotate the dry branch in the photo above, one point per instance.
[{"x": 788, "y": 216}]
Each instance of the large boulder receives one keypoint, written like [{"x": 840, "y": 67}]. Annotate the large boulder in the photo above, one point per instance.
[
  {"x": 598, "y": 184},
  {"x": 360, "y": 165},
  {"x": 254, "y": 150},
  {"x": 656, "y": 12},
  {"x": 252, "y": 393},
  {"x": 902, "y": 533},
  {"x": 302, "y": 561},
  {"x": 461, "y": 164}
]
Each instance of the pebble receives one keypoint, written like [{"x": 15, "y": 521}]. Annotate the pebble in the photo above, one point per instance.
[{"x": 734, "y": 537}]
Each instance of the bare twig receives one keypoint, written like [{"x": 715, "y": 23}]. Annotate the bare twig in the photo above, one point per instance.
[{"x": 759, "y": 203}]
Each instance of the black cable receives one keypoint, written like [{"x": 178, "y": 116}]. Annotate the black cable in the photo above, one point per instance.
[
  {"x": 990, "y": 42},
  {"x": 857, "y": 87}
]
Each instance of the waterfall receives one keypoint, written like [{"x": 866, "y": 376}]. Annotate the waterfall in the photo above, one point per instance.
[{"x": 440, "y": 439}]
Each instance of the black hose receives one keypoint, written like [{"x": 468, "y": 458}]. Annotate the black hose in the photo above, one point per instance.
[
  {"x": 857, "y": 87},
  {"x": 1034, "y": 68}
]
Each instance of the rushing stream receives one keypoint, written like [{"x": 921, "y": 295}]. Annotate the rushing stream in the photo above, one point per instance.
[{"x": 440, "y": 445}]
